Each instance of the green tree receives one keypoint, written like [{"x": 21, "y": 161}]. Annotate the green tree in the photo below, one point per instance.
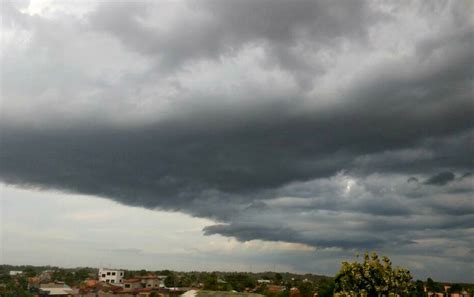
[
  {"x": 29, "y": 272},
  {"x": 69, "y": 279},
  {"x": 455, "y": 288},
  {"x": 14, "y": 287},
  {"x": 184, "y": 281},
  {"x": 81, "y": 275},
  {"x": 170, "y": 280},
  {"x": 418, "y": 289},
  {"x": 326, "y": 288},
  {"x": 211, "y": 282},
  {"x": 306, "y": 289},
  {"x": 373, "y": 277},
  {"x": 142, "y": 272},
  {"x": 240, "y": 281},
  {"x": 433, "y": 286},
  {"x": 278, "y": 278}
]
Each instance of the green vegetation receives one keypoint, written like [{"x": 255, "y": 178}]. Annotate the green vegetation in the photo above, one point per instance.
[
  {"x": 433, "y": 286},
  {"x": 326, "y": 288},
  {"x": 240, "y": 281},
  {"x": 14, "y": 286},
  {"x": 373, "y": 277}
]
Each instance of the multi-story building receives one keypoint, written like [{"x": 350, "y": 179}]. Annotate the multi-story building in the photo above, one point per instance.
[{"x": 111, "y": 276}]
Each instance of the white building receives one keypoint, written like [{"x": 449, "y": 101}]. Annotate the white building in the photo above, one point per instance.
[
  {"x": 15, "y": 272},
  {"x": 111, "y": 276},
  {"x": 263, "y": 281}
]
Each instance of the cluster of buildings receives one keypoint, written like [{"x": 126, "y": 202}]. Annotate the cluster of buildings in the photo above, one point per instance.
[
  {"x": 114, "y": 283},
  {"x": 116, "y": 277},
  {"x": 446, "y": 294},
  {"x": 108, "y": 283}
]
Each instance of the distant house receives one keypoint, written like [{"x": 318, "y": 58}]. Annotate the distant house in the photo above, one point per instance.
[
  {"x": 263, "y": 281},
  {"x": 295, "y": 292},
  {"x": 46, "y": 276},
  {"x": 93, "y": 288},
  {"x": 111, "y": 275},
  {"x": 33, "y": 283},
  {"x": 435, "y": 294},
  {"x": 205, "y": 293},
  {"x": 15, "y": 272},
  {"x": 462, "y": 294},
  {"x": 151, "y": 281},
  {"x": 57, "y": 289},
  {"x": 132, "y": 284},
  {"x": 162, "y": 280},
  {"x": 275, "y": 289}
]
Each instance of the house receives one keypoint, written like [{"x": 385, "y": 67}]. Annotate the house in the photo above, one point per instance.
[
  {"x": 57, "y": 289},
  {"x": 435, "y": 294},
  {"x": 205, "y": 293},
  {"x": 33, "y": 283},
  {"x": 295, "y": 292},
  {"x": 151, "y": 281},
  {"x": 462, "y": 294},
  {"x": 275, "y": 289},
  {"x": 263, "y": 281},
  {"x": 132, "y": 284},
  {"x": 93, "y": 288},
  {"x": 15, "y": 272},
  {"x": 111, "y": 275},
  {"x": 46, "y": 276}
]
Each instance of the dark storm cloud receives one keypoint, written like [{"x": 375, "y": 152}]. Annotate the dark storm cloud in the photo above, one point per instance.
[
  {"x": 440, "y": 179},
  {"x": 215, "y": 28},
  {"x": 255, "y": 114},
  {"x": 247, "y": 232}
]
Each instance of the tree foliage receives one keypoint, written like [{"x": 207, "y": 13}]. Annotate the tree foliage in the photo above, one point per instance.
[
  {"x": 373, "y": 277},
  {"x": 455, "y": 288},
  {"x": 326, "y": 288},
  {"x": 240, "y": 281},
  {"x": 433, "y": 286}
]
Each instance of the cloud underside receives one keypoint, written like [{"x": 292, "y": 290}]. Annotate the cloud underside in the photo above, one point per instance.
[{"x": 285, "y": 122}]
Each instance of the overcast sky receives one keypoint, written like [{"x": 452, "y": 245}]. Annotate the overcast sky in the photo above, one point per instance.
[{"x": 238, "y": 135}]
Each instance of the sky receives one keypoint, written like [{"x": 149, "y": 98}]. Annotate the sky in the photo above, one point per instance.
[{"x": 238, "y": 135}]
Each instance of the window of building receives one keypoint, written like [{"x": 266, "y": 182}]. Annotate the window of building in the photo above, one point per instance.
[
  {"x": 108, "y": 273},
  {"x": 120, "y": 280},
  {"x": 127, "y": 285},
  {"x": 107, "y": 280},
  {"x": 112, "y": 281},
  {"x": 103, "y": 275},
  {"x": 113, "y": 273},
  {"x": 121, "y": 273}
]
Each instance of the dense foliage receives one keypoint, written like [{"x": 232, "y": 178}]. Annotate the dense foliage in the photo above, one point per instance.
[
  {"x": 14, "y": 286},
  {"x": 373, "y": 277}
]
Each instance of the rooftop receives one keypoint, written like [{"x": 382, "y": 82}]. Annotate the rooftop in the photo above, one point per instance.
[{"x": 204, "y": 293}]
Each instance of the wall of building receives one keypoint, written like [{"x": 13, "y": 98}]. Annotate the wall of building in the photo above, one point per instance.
[{"x": 111, "y": 276}]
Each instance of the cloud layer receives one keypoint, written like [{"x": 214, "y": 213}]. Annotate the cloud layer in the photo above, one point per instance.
[{"x": 337, "y": 125}]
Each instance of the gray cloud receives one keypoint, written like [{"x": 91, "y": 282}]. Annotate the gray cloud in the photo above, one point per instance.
[
  {"x": 295, "y": 122},
  {"x": 440, "y": 179},
  {"x": 216, "y": 28},
  {"x": 247, "y": 232}
]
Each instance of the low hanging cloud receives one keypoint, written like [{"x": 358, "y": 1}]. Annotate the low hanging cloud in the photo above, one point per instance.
[
  {"x": 309, "y": 122},
  {"x": 440, "y": 179}
]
